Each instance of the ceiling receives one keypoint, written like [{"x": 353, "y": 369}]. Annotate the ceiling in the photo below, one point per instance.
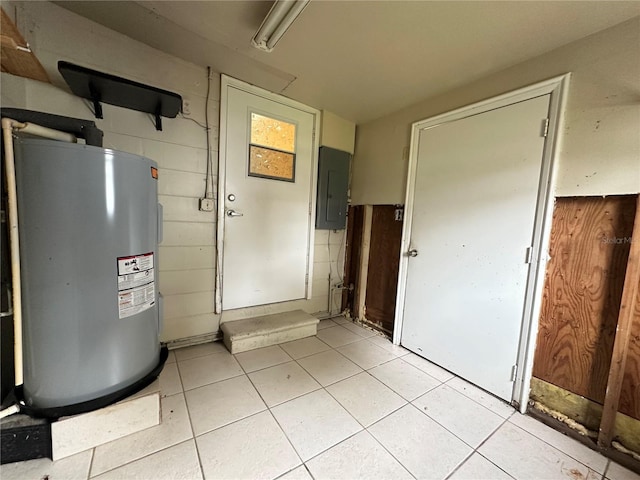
[{"x": 360, "y": 59}]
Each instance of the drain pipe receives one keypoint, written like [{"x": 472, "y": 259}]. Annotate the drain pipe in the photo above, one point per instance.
[{"x": 8, "y": 127}]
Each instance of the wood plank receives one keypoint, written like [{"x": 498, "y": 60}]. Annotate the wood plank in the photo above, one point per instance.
[
  {"x": 630, "y": 395},
  {"x": 584, "y": 412},
  {"x": 361, "y": 292},
  {"x": 355, "y": 222},
  {"x": 384, "y": 259},
  {"x": 623, "y": 333},
  {"x": 583, "y": 288},
  {"x": 15, "y": 61}
]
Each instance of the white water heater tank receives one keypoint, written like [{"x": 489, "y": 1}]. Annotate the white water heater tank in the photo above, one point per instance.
[{"x": 89, "y": 224}]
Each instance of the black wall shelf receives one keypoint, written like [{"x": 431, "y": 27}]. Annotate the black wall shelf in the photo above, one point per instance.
[{"x": 100, "y": 87}]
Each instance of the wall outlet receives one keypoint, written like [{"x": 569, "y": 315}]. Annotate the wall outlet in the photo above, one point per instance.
[
  {"x": 206, "y": 205},
  {"x": 186, "y": 107}
]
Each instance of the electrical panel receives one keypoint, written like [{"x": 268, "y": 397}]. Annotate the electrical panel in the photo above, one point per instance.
[{"x": 333, "y": 184}]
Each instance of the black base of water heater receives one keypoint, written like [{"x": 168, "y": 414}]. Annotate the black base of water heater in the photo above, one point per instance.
[
  {"x": 106, "y": 400},
  {"x": 27, "y": 436}
]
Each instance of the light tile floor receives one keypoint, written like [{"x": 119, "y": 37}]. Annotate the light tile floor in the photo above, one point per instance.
[{"x": 346, "y": 404}]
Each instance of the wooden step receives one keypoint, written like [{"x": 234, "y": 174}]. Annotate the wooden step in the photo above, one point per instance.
[{"x": 257, "y": 332}]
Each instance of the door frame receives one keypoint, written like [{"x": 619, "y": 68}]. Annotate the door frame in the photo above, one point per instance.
[
  {"x": 557, "y": 87},
  {"x": 226, "y": 83}
]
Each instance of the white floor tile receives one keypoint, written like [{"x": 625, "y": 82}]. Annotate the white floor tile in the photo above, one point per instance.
[
  {"x": 252, "y": 448},
  {"x": 365, "y": 354},
  {"x": 262, "y": 358},
  {"x": 425, "y": 448},
  {"x": 618, "y": 472},
  {"x": 358, "y": 457},
  {"x": 171, "y": 358},
  {"x": 314, "y": 423},
  {"x": 169, "y": 378},
  {"x": 329, "y": 367},
  {"x": 337, "y": 336},
  {"x": 326, "y": 324},
  {"x": 494, "y": 404},
  {"x": 282, "y": 382},
  {"x": 468, "y": 420},
  {"x": 478, "y": 467},
  {"x": 304, "y": 347},
  {"x": 340, "y": 320},
  {"x": 75, "y": 467},
  {"x": 201, "y": 350},
  {"x": 404, "y": 379},
  {"x": 366, "y": 398},
  {"x": 200, "y": 371},
  {"x": 174, "y": 428},
  {"x": 571, "y": 447},
  {"x": 221, "y": 403},
  {"x": 383, "y": 342},
  {"x": 429, "y": 368},
  {"x": 358, "y": 330},
  {"x": 179, "y": 462},
  {"x": 298, "y": 473},
  {"x": 524, "y": 456}
]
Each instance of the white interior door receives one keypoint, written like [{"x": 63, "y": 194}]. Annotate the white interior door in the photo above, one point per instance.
[
  {"x": 267, "y": 198},
  {"x": 476, "y": 190}
]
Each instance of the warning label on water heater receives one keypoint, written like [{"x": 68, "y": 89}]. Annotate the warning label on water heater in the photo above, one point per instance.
[{"x": 136, "y": 284}]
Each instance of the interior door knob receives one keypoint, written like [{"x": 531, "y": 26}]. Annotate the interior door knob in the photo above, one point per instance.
[
  {"x": 233, "y": 213},
  {"x": 412, "y": 253}
]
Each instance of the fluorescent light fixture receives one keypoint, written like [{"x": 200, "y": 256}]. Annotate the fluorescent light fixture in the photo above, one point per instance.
[{"x": 282, "y": 14}]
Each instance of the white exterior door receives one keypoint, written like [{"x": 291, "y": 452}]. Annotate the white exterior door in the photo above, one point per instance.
[
  {"x": 473, "y": 215},
  {"x": 266, "y": 200}
]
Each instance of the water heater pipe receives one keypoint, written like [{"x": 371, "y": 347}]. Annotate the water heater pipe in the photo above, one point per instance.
[{"x": 8, "y": 126}]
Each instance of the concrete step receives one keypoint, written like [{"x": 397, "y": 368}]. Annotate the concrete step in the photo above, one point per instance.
[
  {"x": 257, "y": 332},
  {"x": 71, "y": 435}
]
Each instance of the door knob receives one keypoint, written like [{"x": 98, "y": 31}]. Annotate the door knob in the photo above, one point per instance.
[
  {"x": 412, "y": 253},
  {"x": 233, "y": 213}
]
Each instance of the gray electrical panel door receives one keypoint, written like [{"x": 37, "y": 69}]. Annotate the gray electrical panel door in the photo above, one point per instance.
[
  {"x": 88, "y": 252},
  {"x": 333, "y": 183}
]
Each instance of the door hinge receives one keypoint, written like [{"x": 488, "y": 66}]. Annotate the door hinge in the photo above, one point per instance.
[
  {"x": 545, "y": 127},
  {"x": 306, "y": 279},
  {"x": 528, "y": 255},
  {"x": 514, "y": 373}
]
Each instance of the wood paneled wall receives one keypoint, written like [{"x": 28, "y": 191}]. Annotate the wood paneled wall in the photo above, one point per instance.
[
  {"x": 355, "y": 225},
  {"x": 589, "y": 249},
  {"x": 375, "y": 302},
  {"x": 630, "y": 396},
  {"x": 384, "y": 262}
]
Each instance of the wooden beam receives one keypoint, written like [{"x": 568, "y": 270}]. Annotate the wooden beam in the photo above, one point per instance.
[
  {"x": 621, "y": 343},
  {"x": 361, "y": 294},
  {"x": 18, "y": 61}
]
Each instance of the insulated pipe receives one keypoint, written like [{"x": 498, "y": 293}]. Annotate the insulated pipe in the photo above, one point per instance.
[
  {"x": 37, "y": 130},
  {"x": 12, "y": 203},
  {"x": 8, "y": 126}
]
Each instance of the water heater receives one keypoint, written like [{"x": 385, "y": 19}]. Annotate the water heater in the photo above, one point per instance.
[{"x": 90, "y": 224}]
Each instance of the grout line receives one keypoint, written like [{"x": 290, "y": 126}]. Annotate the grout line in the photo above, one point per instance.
[
  {"x": 457, "y": 467},
  {"x": 558, "y": 448},
  {"x": 93, "y": 454},
  {"x": 385, "y": 448},
  {"x": 491, "y": 396},
  {"x": 186, "y": 405}
]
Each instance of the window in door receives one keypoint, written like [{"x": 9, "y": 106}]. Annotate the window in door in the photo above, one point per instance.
[{"x": 272, "y": 152}]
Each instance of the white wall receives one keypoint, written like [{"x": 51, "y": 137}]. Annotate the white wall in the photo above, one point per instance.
[
  {"x": 187, "y": 254},
  {"x": 600, "y": 152},
  {"x": 337, "y": 132}
]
